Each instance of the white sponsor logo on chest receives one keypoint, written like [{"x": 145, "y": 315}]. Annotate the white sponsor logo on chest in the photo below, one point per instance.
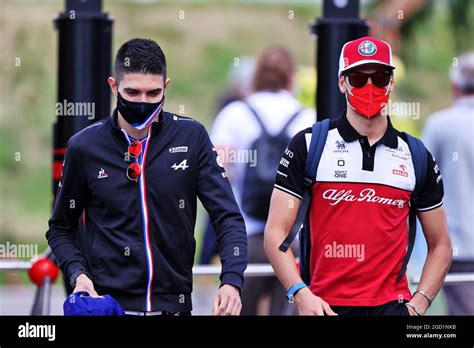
[
  {"x": 178, "y": 149},
  {"x": 367, "y": 195}
]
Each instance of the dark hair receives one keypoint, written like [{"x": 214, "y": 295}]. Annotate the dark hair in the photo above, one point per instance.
[
  {"x": 274, "y": 69},
  {"x": 139, "y": 56}
]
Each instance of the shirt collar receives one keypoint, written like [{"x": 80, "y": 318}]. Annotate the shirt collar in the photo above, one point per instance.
[{"x": 349, "y": 134}]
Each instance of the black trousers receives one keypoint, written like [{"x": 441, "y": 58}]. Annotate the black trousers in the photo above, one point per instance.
[{"x": 393, "y": 308}]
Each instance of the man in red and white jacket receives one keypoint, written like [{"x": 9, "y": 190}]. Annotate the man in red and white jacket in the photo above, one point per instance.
[{"x": 360, "y": 204}]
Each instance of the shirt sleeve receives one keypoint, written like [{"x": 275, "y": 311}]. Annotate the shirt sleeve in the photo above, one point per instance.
[
  {"x": 431, "y": 196},
  {"x": 291, "y": 170},
  {"x": 69, "y": 204},
  {"x": 216, "y": 195}
]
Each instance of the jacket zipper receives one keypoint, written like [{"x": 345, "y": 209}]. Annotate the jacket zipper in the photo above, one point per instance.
[{"x": 145, "y": 221}]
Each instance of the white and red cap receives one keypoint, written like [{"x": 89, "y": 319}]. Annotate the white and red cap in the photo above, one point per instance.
[{"x": 366, "y": 50}]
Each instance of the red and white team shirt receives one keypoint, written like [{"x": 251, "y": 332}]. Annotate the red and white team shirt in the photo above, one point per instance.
[{"x": 359, "y": 212}]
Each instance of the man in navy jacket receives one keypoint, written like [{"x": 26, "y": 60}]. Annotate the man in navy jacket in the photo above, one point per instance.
[{"x": 134, "y": 179}]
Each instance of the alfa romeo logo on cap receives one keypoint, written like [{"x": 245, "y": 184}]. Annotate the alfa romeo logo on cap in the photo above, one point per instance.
[{"x": 367, "y": 48}]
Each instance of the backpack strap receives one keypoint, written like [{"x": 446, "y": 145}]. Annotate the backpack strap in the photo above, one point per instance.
[
  {"x": 420, "y": 162},
  {"x": 257, "y": 117},
  {"x": 318, "y": 140},
  {"x": 260, "y": 122},
  {"x": 291, "y": 119}
]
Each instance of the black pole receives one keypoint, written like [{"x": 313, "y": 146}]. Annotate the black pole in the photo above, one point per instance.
[
  {"x": 84, "y": 63},
  {"x": 340, "y": 23}
]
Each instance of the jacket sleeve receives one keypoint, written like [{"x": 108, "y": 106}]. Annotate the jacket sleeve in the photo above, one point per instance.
[
  {"x": 70, "y": 201},
  {"x": 216, "y": 195}
]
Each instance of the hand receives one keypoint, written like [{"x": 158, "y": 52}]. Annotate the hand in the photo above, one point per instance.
[
  {"x": 83, "y": 283},
  {"x": 227, "y": 301},
  {"x": 411, "y": 312},
  {"x": 310, "y": 304}
]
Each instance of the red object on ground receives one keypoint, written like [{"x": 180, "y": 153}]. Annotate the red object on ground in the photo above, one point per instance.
[{"x": 41, "y": 269}]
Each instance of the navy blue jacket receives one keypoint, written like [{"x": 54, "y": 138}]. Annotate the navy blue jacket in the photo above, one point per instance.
[{"x": 138, "y": 244}]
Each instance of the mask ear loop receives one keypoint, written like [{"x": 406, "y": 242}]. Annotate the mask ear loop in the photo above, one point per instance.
[
  {"x": 385, "y": 113},
  {"x": 345, "y": 94},
  {"x": 388, "y": 88},
  {"x": 347, "y": 87}
]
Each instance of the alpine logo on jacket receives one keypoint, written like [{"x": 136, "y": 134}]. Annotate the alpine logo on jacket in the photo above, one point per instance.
[{"x": 183, "y": 165}]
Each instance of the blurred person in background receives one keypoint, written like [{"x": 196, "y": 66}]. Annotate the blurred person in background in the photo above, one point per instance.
[
  {"x": 240, "y": 76},
  {"x": 250, "y": 136},
  {"x": 240, "y": 86},
  {"x": 449, "y": 134}
]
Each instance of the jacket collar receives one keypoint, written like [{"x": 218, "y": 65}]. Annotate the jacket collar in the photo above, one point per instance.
[{"x": 349, "y": 134}]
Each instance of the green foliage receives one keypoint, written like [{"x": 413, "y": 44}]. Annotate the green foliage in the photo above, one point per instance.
[{"x": 461, "y": 20}]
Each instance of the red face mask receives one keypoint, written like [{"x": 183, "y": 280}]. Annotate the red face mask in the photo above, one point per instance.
[{"x": 369, "y": 100}]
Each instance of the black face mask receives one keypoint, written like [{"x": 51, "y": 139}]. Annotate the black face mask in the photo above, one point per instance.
[{"x": 139, "y": 114}]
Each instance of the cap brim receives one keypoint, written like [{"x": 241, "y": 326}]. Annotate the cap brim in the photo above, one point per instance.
[{"x": 365, "y": 62}]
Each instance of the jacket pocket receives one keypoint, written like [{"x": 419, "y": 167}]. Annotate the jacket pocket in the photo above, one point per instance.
[{"x": 119, "y": 265}]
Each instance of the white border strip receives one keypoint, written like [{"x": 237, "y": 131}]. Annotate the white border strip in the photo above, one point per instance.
[
  {"x": 431, "y": 208},
  {"x": 288, "y": 191}
]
